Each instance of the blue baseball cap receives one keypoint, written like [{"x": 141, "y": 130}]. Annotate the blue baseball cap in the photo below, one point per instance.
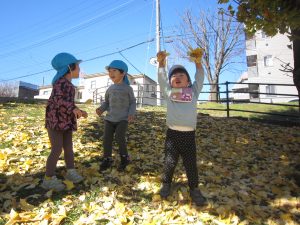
[
  {"x": 61, "y": 63},
  {"x": 120, "y": 65}
]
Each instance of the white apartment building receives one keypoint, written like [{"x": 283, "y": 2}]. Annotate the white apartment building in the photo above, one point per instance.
[
  {"x": 268, "y": 59},
  {"x": 92, "y": 88}
]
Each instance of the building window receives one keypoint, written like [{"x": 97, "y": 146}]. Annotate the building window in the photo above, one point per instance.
[
  {"x": 93, "y": 84},
  {"x": 153, "y": 95},
  {"x": 251, "y": 60},
  {"x": 45, "y": 92},
  {"x": 263, "y": 34},
  {"x": 147, "y": 88},
  {"x": 268, "y": 60},
  {"x": 153, "y": 88},
  {"x": 271, "y": 90},
  {"x": 79, "y": 95}
]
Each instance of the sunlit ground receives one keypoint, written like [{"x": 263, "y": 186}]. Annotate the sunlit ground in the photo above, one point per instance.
[{"x": 245, "y": 168}]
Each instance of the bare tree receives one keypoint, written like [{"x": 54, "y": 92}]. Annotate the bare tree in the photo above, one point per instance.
[
  {"x": 7, "y": 90},
  {"x": 221, "y": 38}
]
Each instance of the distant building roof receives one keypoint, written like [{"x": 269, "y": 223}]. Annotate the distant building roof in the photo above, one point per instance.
[
  {"x": 243, "y": 77},
  {"x": 87, "y": 76},
  {"x": 45, "y": 87},
  {"x": 28, "y": 85},
  {"x": 132, "y": 76},
  {"x": 144, "y": 76},
  {"x": 240, "y": 85}
]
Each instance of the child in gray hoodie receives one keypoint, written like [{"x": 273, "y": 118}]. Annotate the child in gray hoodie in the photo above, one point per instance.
[
  {"x": 120, "y": 105},
  {"x": 181, "y": 97}
]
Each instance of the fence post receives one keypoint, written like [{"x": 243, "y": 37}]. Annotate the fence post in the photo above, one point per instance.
[
  {"x": 227, "y": 99},
  {"x": 298, "y": 102}
]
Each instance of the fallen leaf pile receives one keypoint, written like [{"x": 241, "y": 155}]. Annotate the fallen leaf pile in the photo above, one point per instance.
[{"x": 245, "y": 170}]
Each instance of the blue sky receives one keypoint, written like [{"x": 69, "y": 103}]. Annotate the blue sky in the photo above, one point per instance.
[{"x": 33, "y": 31}]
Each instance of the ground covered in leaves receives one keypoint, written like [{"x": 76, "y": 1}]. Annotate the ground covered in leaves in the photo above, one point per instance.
[{"x": 246, "y": 172}]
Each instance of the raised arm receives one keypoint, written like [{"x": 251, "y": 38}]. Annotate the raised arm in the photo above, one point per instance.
[
  {"x": 162, "y": 75},
  {"x": 195, "y": 55}
]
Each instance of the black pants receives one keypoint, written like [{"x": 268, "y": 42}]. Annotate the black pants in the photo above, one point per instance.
[
  {"x": 180, "y": 143},
  {"x": 117, "y": 129}
]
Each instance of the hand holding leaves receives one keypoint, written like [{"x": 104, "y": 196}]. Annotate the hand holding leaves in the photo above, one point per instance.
[
  {"x": 84, "y": 114},
  {"x": 195, "y": 55},
  {"x": 130, "y": 118},
  {"x": 161, "y": 58},
  {"x": 99, "y": 111},
  {"x": 77, "y": 112}
]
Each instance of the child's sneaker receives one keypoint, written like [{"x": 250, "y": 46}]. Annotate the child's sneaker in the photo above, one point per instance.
[
  {"x": 106, "y": 163},
  {"x": 53, "y": 183},
  {"x": 124, "y": 162},
  {"x": 165, "y": 190},
  {"x": 73, "y": 176},
  {"x": 197, "y": 197}
]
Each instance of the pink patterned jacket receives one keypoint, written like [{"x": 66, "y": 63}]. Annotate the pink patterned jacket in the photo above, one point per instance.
[{"x": 59, "y": 110}]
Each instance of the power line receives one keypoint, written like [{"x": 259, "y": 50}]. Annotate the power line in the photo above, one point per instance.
[
  {"x": 91, "y": 59},
  {"x": 28, "y": 75},
  {"x": 130, "y": 63},
  {"x": 105, "y": 55},
  {"x": 69, "y": 31},
  {"x": 133, "y": 46}
]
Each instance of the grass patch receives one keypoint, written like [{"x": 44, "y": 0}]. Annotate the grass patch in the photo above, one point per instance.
[{"x": 259, "y": 111}]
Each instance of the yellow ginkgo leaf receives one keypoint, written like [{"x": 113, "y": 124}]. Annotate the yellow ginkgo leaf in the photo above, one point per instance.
[
  {"x": 69, "y": 184},
  {"x": 13, "y": 216},
  {"x": 156, "y": 198},
  {"x": 162, "y": 54},
  {"x": 49, "y": 193},
  {"x": 25, "y": 206},
  {"x": 120, "y": 207},
  {"x": 195, "y": 55},
  {"x": 57, "y": 220}
]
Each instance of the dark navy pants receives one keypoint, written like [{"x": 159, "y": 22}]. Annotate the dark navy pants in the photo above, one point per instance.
[
  {"x": 180, "y": 144},
  {"x": 117, "y": 130}
]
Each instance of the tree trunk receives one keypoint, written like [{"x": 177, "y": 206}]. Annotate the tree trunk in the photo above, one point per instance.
[
  {"x": 296, "y": 51},
  {"x": 214, "y": 92}
]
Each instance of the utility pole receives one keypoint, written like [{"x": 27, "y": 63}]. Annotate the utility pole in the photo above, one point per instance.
[
  {"x": 159, "y": 101},
  {"x": 157, "y": 26}
]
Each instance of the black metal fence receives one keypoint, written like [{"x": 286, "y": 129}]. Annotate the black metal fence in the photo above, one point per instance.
[
  {"x": 269, "y": 98},
  {"x": 149, "y": 94}
]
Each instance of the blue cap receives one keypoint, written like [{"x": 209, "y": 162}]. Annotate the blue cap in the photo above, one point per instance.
[
  {"x": 61, "y": 63},
  {"x": 120, "y": 65}
]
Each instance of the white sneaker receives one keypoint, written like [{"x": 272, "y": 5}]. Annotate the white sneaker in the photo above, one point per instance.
[
  {"x": 73, "y": 176},
  {"x": 53, "y": 183}
]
